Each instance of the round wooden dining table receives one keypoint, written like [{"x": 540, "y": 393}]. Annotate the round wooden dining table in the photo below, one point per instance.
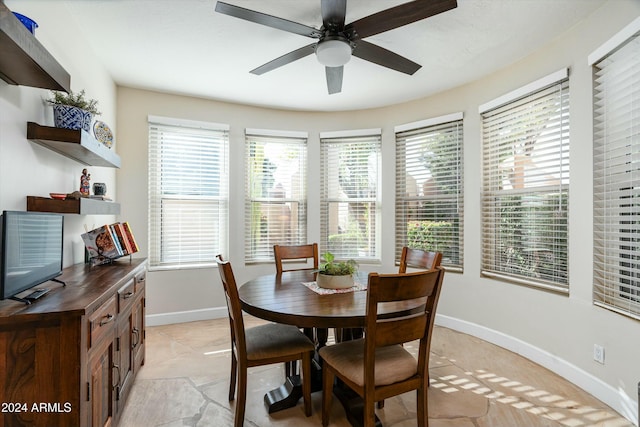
[{"x": 285, "y": 299}]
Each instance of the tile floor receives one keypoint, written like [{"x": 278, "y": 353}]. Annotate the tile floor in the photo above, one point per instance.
[{"x": 185, "y": 382}]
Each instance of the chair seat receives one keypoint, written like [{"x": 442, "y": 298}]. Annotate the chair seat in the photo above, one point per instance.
[
  {"x": 275, "y": 340},
  {"x": 392, "y": 363}
]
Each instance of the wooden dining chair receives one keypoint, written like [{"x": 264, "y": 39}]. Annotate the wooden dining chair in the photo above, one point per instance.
[
  {"x": 298, "y": 252},
  {"x": 418, "y": 258},
  {"x": 260, "y": 345},
  {"x": 377, "y": 366}
]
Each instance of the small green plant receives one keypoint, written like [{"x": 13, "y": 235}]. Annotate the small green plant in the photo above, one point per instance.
[
  {"x": 331, "y": 267},
  {"x": 74, "y": 100}
]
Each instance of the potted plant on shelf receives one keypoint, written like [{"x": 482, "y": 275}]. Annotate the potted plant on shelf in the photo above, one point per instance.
[
  {"x": 334, "y": 274},
  {"x": 73, "y": 110}
]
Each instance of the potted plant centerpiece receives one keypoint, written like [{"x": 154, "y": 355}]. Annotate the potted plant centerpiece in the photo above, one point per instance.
[
  {"x": 334, "y": 274},
  {"x": 73, "y": 110}
]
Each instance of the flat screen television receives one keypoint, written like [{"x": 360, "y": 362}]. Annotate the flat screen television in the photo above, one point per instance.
[{"x": 30, "y": 251}]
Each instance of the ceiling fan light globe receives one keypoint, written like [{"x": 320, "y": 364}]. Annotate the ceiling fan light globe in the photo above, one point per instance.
[{"x": 333, "y": 53}]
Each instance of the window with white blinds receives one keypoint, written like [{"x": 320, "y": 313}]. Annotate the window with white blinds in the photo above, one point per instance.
[
  {"x": 616, "y": 167},
  {"x": 188, "y": 192},
  {"x": 275, "y": 194},
  {"x": 349, "y": 195},
  {"x": 525, "y": 188},
  {"x": 429, "y": 208}
]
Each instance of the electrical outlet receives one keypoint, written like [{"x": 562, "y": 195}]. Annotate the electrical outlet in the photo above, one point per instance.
[{"x": 598, "y": 353}]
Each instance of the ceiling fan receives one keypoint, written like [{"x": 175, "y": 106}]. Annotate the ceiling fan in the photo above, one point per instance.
[{"x": 338, "y": 41}]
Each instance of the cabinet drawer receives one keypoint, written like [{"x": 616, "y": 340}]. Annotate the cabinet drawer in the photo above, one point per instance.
[
  {"x": 126, "y": 295},
  {"x": 102, "y": 320},
  {"x": 141, "y": 279}
]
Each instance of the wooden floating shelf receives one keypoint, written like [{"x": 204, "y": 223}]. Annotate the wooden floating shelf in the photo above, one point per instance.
[
  {"x": 23, "y": 59},
  {"x": 75, "y": 144},
  {"x": 83, "y": 206}
]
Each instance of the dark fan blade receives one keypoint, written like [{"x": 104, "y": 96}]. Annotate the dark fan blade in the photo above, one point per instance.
[
  {"x": 285, "y": 59},
  {"x": 334, "y": 79},
  {"x": 397, "y": 17},
  {"x": 333, "y": 13},
  {"x": 268, "y": 20},
  {"x": 386, "y": 58}
]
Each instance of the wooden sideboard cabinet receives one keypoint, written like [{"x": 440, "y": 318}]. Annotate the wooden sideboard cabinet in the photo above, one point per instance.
[{"x": 70, "y": 358}]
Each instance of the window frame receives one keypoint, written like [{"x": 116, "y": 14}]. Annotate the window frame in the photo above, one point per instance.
[
  {"x": 285, "y": 139},
  {"x": 409, "y": 201},
  {"x": 616, "y": 181},
  {"x": 527, "y": 195},
  {"x": 211, "y": 165},
  {"x": 362, "y": 138}
]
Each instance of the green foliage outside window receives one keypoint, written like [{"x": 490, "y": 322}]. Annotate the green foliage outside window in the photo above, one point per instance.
[
  {"x": 532, "y": 236},
  {"x": 432, "y": 236}
]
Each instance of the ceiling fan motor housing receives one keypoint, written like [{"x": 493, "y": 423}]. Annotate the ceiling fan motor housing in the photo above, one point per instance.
[{"x": 333, "y": 50}]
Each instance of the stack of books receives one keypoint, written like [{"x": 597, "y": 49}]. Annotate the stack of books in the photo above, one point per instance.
[{"x": 110, "y": 242}]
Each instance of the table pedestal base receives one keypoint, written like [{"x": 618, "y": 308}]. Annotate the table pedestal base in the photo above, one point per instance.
[
  {"x": 285, "y": 396},
  {"x": 289, "y": 393}
]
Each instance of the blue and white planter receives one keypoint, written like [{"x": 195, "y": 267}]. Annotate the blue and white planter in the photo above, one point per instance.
[{"x": 68, "y": 117}]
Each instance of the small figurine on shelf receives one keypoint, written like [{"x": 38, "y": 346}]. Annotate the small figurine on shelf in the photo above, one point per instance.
[{"x": 84, "y": 183}]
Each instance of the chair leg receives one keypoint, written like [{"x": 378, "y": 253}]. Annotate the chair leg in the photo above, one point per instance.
[
  {"x": 369, "y": 411},
  {"x": 327, "y": 394},
  {"x": 232, "y": 382},
  {"x": 422, "y": 407},
  {"x": 242, "y": 395},
  {"x": 306, "y": 382}
]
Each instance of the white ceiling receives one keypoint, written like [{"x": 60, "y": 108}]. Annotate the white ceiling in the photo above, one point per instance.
[{"x": 185, "y": 47}]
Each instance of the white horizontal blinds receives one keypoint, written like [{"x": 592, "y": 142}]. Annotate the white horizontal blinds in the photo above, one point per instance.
[
  {"x": 616, "y": 166},
  {"x": 275, "y": 194},
  {"x": 349, "y": 197},
  {"x": 188, "y": 200},
  {"x": 429, "y": 203},
  {"x": 525, "y": 190}
]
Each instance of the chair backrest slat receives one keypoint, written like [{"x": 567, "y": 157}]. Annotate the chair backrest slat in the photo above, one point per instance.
[
  {"x": 398, "y": 331},
  {"x": 297, "y": 252},
  {"x": 418, "y": 258}
]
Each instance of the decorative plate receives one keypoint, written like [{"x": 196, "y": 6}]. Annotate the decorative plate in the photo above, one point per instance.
[
  {"x": 59, "y": 196},
  {"x": 103, "y": 133}
]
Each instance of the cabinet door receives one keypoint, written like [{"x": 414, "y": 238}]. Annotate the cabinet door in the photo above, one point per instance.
[
  {"x": 101, "y": 385},
  {"x": 124, "y": 355},
  {"x": 138, "y": 337}
]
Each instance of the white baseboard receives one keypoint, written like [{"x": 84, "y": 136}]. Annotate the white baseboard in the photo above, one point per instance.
[
  {"x": 185, "y": 316},
  {"x": 620, "y": 402}
]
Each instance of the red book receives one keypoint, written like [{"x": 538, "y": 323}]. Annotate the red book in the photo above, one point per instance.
[
  {"x": 124, "y": 240},
  {"x": 131, "y": 238}
]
